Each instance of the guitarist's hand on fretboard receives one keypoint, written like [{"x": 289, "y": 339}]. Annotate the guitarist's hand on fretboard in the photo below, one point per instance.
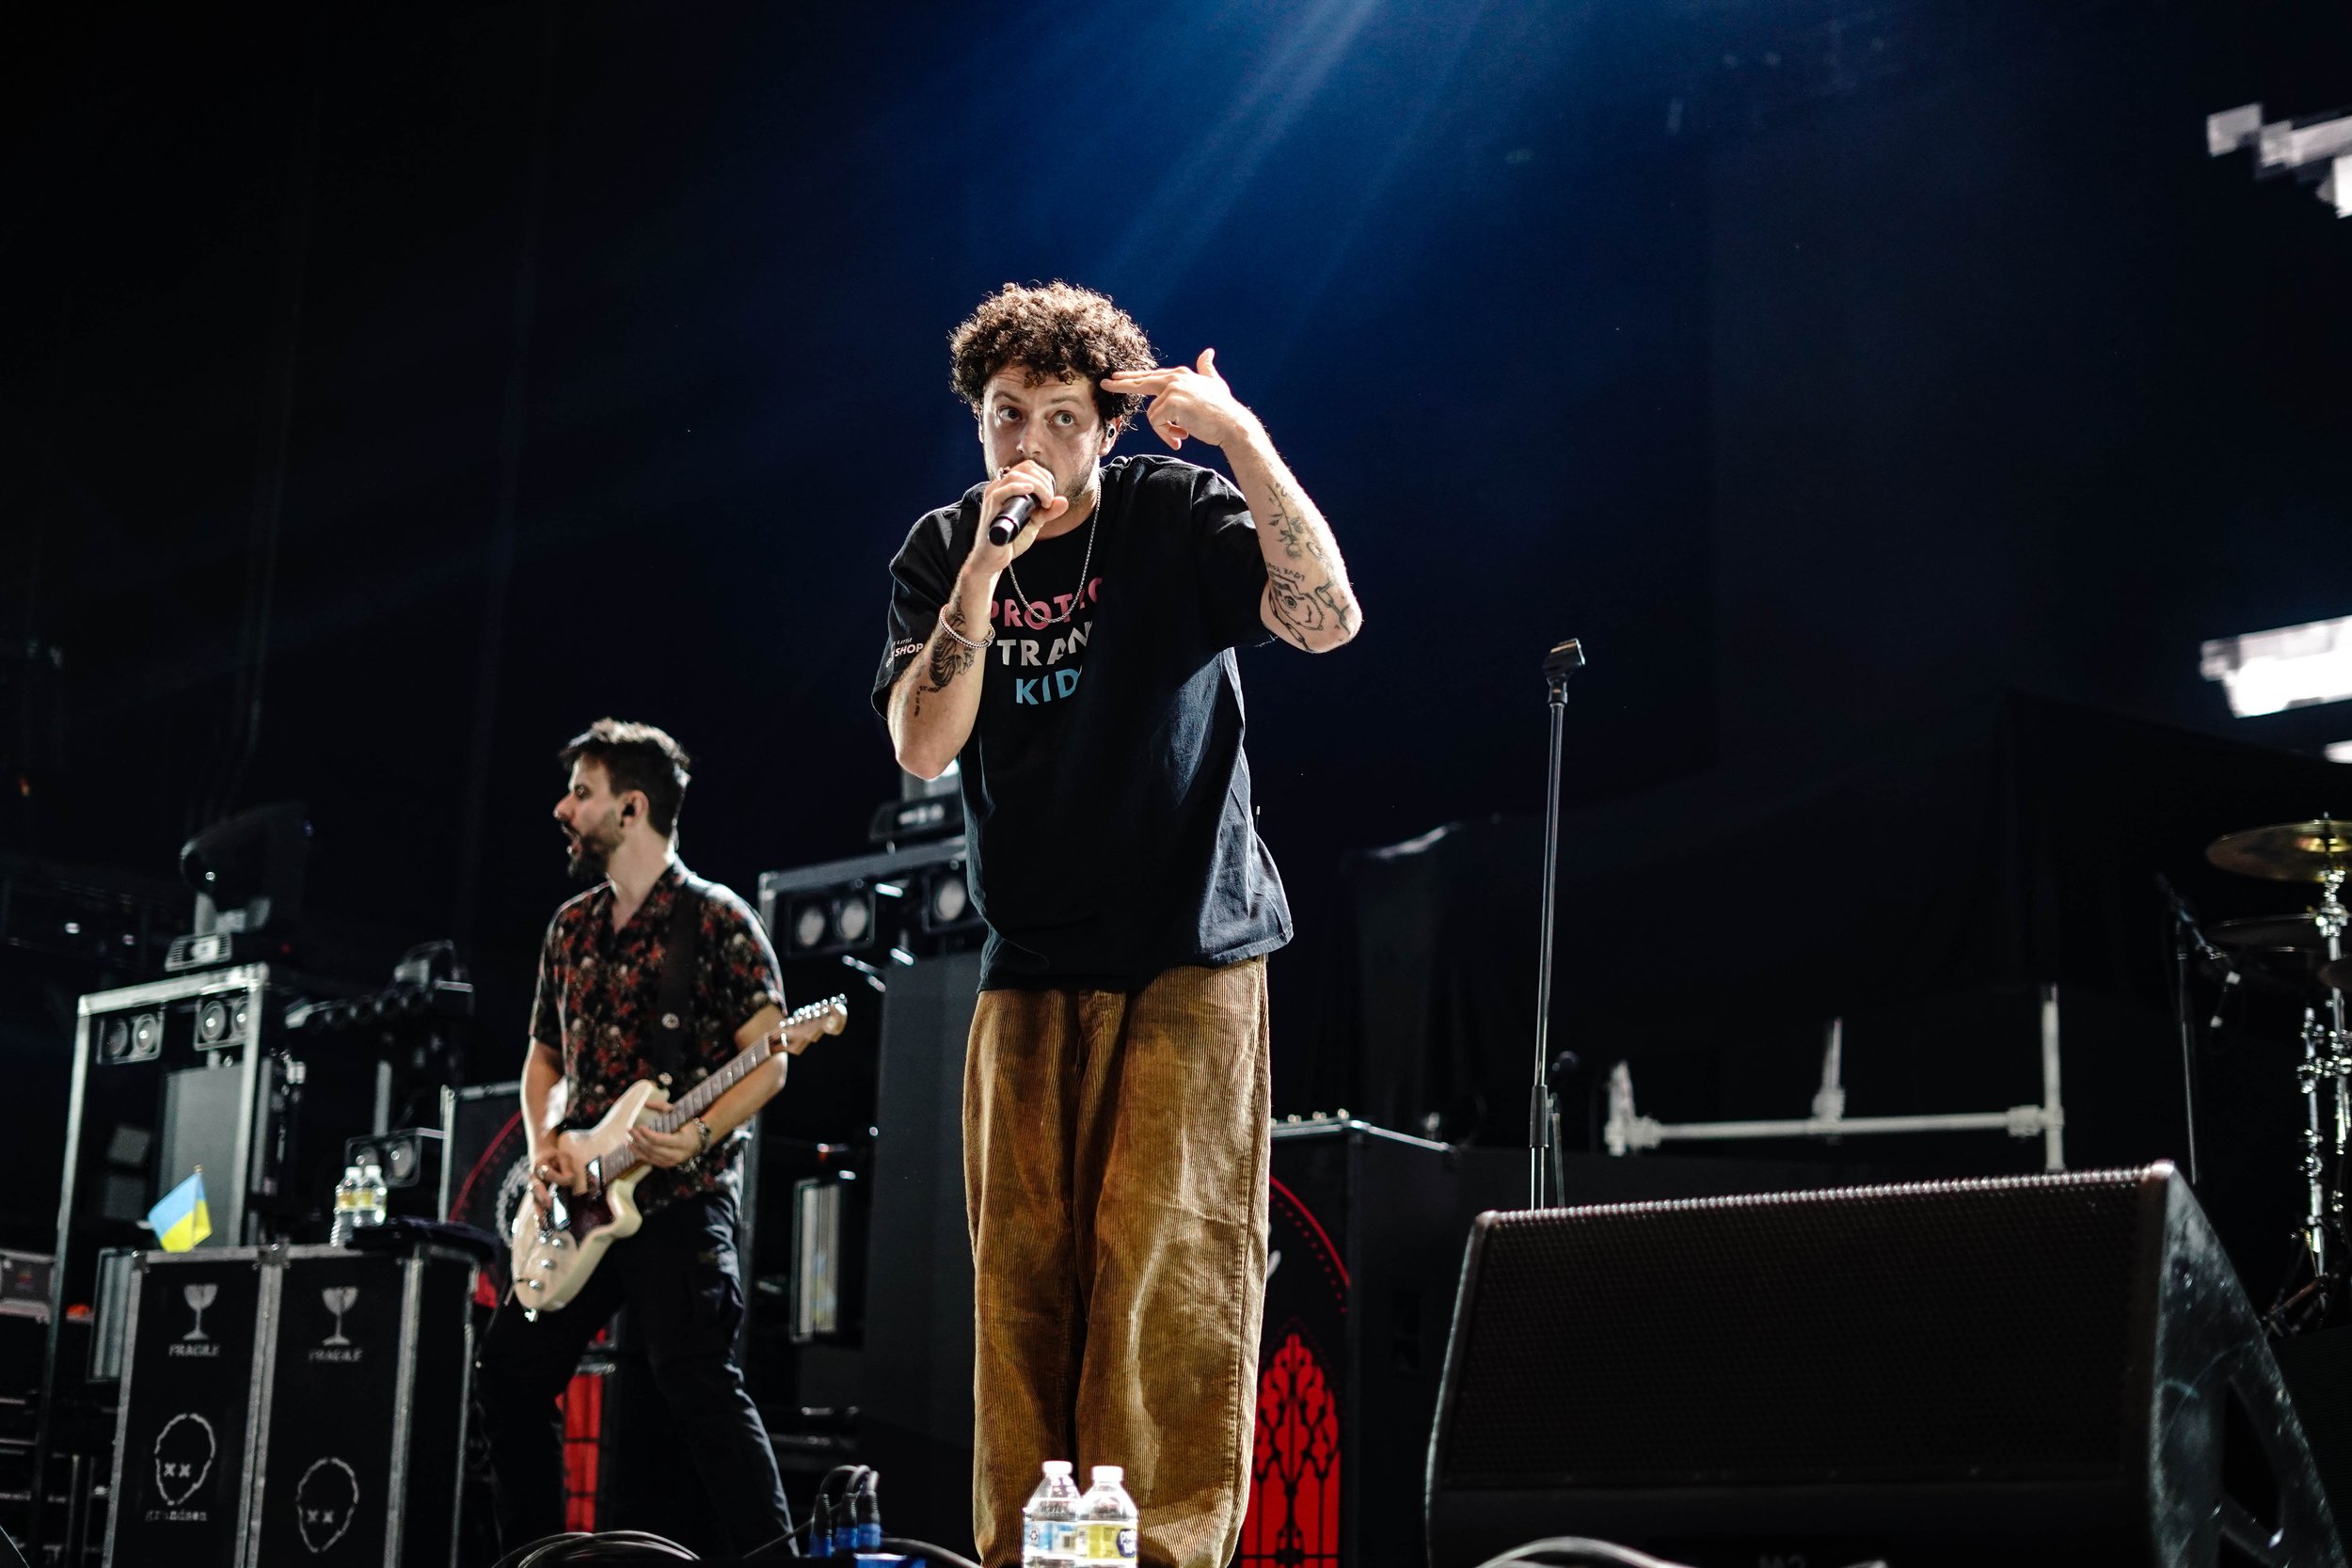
[{"x": 666, "y": 1151}]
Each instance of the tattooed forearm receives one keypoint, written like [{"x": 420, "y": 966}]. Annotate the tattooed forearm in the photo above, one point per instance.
[
  {"x": 1299, "y": 609},
  {"x": 949, "y": 657},
  {"x": 1290, "y": 527},
  {"x": 1306, "y": 600},
  {"x": 1342, "y": 609}
]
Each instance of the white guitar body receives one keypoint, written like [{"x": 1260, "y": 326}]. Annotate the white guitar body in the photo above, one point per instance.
[{"x": 553, "y": 1253}]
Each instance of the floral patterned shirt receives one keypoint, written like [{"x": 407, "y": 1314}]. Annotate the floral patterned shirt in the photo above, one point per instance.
[{"x": 600, "y": 990}]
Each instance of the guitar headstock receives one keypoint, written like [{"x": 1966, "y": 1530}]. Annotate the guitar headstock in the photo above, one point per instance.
[{"x": 807, "y": 1024}]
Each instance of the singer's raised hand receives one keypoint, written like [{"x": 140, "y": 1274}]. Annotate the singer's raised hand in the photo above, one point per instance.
[{"x": 1187, "y": 403}]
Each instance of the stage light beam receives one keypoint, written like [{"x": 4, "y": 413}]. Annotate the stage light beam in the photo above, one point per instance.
[{"x": 2270, "y": 672}]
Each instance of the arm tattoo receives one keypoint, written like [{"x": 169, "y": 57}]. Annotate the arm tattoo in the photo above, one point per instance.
[
  {"x": 1291, "y": 526},
  {"x": 949, "y": 658},
  {"x": 1299, "y": 609},
  {"x": 1336, "y": 600}
]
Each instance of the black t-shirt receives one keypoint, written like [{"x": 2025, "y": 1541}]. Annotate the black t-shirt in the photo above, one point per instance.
[{"x": 1105, "y": 789}]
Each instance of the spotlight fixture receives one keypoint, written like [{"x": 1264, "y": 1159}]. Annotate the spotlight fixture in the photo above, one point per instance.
[
  {"x": 2269, "y": 671},
  {"x": 947, "y": 900},
  {"x": 831, "y": 920},
  {"x": 404, "y": 1155},
  {"x": 2315, "y": 149},
  {"x": 129, "y": 1037},
  {"x": 865, "y": 906},
  {"x": 854, "y": 917},
  {"x": 220, "y": 1022}
]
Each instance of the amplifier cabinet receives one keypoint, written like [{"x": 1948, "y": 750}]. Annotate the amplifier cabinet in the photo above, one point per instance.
[
  {"x": 1364, "y": 1231},
  {"x": 293, "y": 1405}
]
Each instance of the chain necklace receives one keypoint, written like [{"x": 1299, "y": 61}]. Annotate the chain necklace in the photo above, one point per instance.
[{"x": 1085, "y": 564}]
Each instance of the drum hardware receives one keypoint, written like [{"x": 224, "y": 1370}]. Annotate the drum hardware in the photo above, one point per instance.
[
  {"x": 2318, "y": 850},
  {"x": 1628, "y": 1132},
  {"x": 2272, "y": 933}
]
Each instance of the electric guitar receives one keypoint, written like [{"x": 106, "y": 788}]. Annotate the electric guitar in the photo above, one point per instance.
[{"x": 556, "y": 1249}]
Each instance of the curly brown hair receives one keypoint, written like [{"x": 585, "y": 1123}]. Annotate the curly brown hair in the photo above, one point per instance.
[{"x": 1051, "y": 330}]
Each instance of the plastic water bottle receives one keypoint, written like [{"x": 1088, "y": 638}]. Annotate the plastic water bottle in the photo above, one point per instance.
[
  {"x": 346, "y": 1201},
  {"x": 1106, "y": 1521},
  {"x": 1049, "y": 1524},
  {"x": 369, "y": 1210}
]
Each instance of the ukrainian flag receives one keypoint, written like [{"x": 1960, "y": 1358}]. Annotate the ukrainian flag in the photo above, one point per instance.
[{"x": 181, "y": 1220}]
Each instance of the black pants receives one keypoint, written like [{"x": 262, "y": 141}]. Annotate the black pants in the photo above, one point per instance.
[{"x": 678, "y": 1279}]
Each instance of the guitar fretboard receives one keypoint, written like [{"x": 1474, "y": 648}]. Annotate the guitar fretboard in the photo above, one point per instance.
[{"x": 703, "y": 1094}]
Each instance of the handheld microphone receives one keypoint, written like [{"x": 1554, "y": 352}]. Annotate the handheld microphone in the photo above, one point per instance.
[{"x": 1009, "y": 520}]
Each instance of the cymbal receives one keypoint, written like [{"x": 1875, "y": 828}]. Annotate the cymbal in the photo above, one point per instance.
[
  {"x": 2278, "y": 932},
  {"x": 2286, "y": 852}
]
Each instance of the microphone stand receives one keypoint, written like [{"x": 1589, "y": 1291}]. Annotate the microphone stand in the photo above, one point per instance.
[
  {"x": 2187, "y": 939},
  {"x": 1542, "y": 1118}
]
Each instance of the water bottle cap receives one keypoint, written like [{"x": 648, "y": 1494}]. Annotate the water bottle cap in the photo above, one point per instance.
[
  {"x": 1109, "y": 1475},
  {"x": 351, "y": 1173},
  {"x": 1057, "y": 1466},
  {"x": 376, "y": 1172}
]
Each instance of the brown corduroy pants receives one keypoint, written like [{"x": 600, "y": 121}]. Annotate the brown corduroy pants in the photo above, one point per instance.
[{"x": 1115, "y": 1151}]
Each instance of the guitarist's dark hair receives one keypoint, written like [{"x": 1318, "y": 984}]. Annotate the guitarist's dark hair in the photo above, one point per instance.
[{"x": 640, "y": 757}]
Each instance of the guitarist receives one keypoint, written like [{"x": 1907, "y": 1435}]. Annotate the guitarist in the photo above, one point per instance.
[{"x": 605, "y": 982}]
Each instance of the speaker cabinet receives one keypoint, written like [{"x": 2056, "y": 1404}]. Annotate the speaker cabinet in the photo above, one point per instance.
[
  {"x": 916, "y": 1407},
  {"x": 1365, "y": 1234},
  {"x": 482, "y": 1181},
  {"x": 2041, "y": 1370}
]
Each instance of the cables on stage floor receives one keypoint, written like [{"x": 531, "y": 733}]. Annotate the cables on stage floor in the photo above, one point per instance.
[{"x": 1576, "y": 1551}]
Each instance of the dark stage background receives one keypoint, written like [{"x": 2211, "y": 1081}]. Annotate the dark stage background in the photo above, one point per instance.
[{"x": 384, "y": 396}]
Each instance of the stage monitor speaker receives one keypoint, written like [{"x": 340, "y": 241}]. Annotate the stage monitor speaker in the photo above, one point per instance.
[{"x": 2037, "y": 1370}]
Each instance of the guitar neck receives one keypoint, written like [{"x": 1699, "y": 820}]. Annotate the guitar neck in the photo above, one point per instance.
[
  {"x": 823, "y": 1016},
  {"x": 698, "y": 1099},
  {"x": 705, "y": 1094}
]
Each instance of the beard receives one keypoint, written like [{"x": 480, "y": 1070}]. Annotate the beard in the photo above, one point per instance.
[{"x": 590, "y": 852}]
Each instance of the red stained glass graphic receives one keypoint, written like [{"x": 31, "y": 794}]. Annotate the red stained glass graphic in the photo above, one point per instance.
[{"x": 1293, "y": 1518}]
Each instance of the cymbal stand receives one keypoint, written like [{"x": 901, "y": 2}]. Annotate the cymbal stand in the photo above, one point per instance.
[
  {"x": 2315, "y": 1218},
  {"x": 2327, "y": 1057},
  {"x": 2331, "y": 918}
]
